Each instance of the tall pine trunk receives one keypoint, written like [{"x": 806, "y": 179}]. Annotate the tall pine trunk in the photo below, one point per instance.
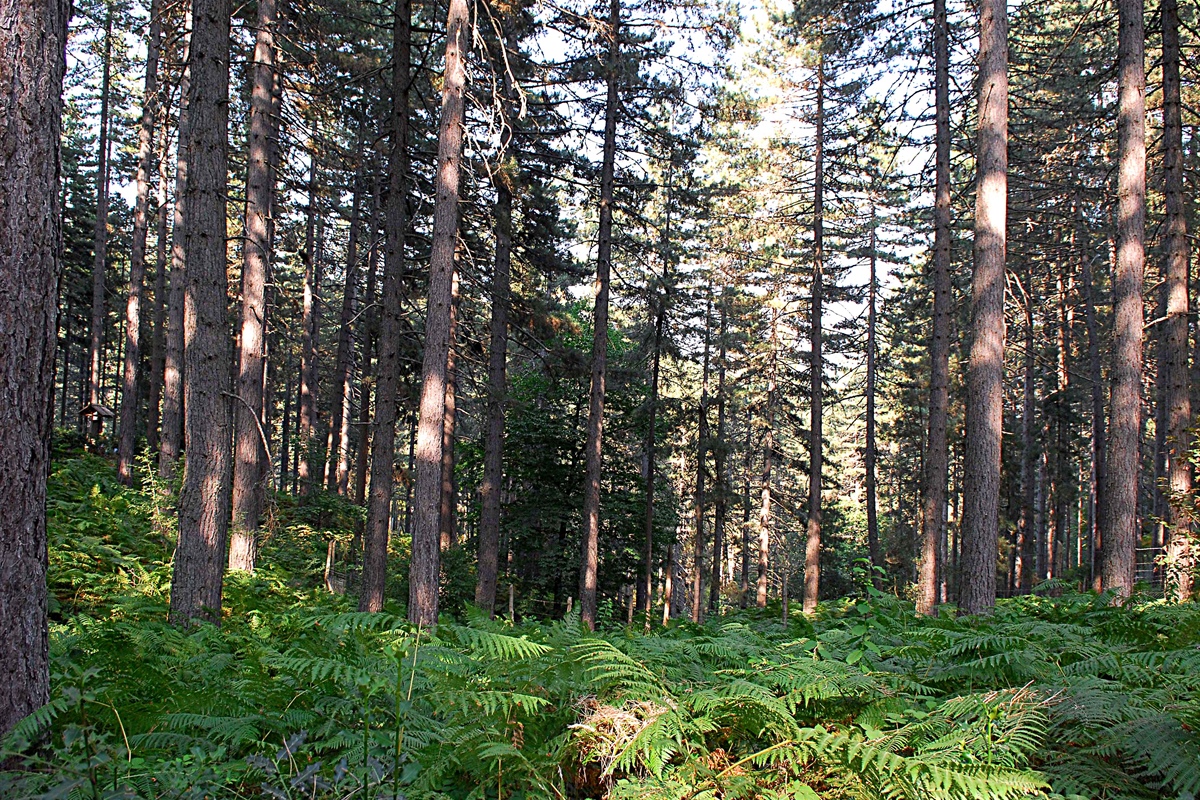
[
  {"x": 447, "y": 504},
  {"x": 933, "y": 502},
  {"x": 720, "y": 461},
  {"x": 100, "y": 241},
  {"x": 158, "y": 340},
  {"x": 137, "y": 256},
  {"x": 1120, "y": 520},
  {"x": 812, "y": 546},
  {"x": 337, "y": 443},
  {"x": 1095, "y": 380},
  {"x": 387, "y": 381},
  {"x": 701, "y": 472},
  {"x": 250, "y": 448},
  {"x": 204, "y": 498},
  {"x": 985, "y": 371},
  {"x": 869, "y": 454},
  {"x": 595, "y": 431},
  {"x": 764, "y": 509},
  {"x": 423, "y": 573},
  {"x": 32, "y": 43},
  {"x": 308, "y": 330},
  {"x": 1178, "y": 391}
]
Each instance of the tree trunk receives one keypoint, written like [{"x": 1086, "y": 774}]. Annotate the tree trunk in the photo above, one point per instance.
[
  {"x": 764, "y": 512},
  {"x": 32, "y": 44},
  {"x": 985, "y": 372},
  {"x": 1096, "y": 380},
  {"x": 204, "y": 497},
  {"x": 744, "y": 589},
  {"x": 719, "y": 454},
  {"x": 308, "y": 327},
  {"x": 933, "y": 503},
  {"x": 369, "y": 335},
  {"x": 595, "y": 431},
  {"x": 701, "y": 465},
  {"x": 1120, "y": 535},
  {"x": 447, "y": 504},
  {"x": 869, "y": 456},
  {"x": 337, "y": 444},
  {"x": 158, "y": 344},
  {"x": 387, "y": 381},
  {"x": 137, "y": 257},
  {"x": 171, "y": 443},
  {"x": 250, "y": 451},
  {"x": 812, "y": 547},
  {"x": 1027, "y": 550},
  {"x": 423, "y": 574},
  {"x": 493, "y": 445},
  {"x": 100, "y": 240},
  {"x": 1180, "y": 564}
]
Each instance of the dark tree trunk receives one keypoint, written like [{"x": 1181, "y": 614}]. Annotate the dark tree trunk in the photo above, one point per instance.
[
  {"x": 447, "y": 504},
  {"x": 985, "y": 371},
  {"x": 1026, "y": 564},
  {"x": 368, "y": 338},
  {"x": 812, "y": 546},
  {"x": 100, "y": 240},
  {"x": 32, "y": 44},
  {"x": 204, "y": 497},
  {"x": 1095, "y": 380},
  {"x": 645, "y": 587},
  {"x": 1180, "y": 560},
  {"x": 719, "y": 454},
  {"x": 137, "y": 256},
  {"x": 171, "y": 444},
  {"x": 337, "y": 445},
  {"x": 423, "y": 574},
  {"x": 493, "y": 445},
  {"x": 308, "y": 328},
  {"x": 595, "y": 431},
  {"x": 158, "y": 344},
  {"x": 250, "y": 451},
  {"x": 869, "y": 456},
  {"x": 764, "y": 512},
  {"x": 747, "y": 456},
  {"x": 1120, "y": 535},
  {"x": 387, "y": 381},
  {"x": 933, "y": 503}
]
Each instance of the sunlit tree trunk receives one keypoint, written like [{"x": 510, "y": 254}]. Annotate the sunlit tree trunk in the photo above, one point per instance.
[
  {"x": 423, "y": 572},
  {"x": 985, "y": 371},
  {"x": 1120, "y": 534},
  {"x": 812, "y": 547}
]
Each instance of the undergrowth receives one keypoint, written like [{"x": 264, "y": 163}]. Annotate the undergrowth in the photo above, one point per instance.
[{"x": 297, "y": 696}]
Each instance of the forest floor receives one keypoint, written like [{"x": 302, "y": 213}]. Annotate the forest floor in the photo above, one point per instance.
[{"x": 296, "y": 695}]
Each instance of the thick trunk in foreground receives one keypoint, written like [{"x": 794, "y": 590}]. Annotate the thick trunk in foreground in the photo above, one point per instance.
[
  {"x": 204, "y": 498},
  {"x": 137, "y": 256},
  {"x": 595, "y": 432},
  {"x": 387, "y": 382},
  {"x": 933, "y": 501},
  {"x": 32, "y": 45},
  {"x": 423, "y": 574},
  {"x": 250, "y": 452},
  {"x": 100, "y": 240},
  {"x": 1178, "y": 391},
  {"x": 812, "y": 546},
  {"x": 1120, "y": 534},
  {"x": 985, "y": 371}
]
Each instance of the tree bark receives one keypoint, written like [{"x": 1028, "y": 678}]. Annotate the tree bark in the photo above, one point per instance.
[
  {"x": 701, "y": 469},
  {"x": 933, "y": 503},
  {"x": 100, "y": 241},
  {"x": 204, "y": 498},
  {"x": 764, "y": 512},
  {"x": 250, "y": 453},
  {"x": 171, "y": 443},
  {"x": 158, "y": 343},
  {"x": 337, "y": 444},
  {"x": 308, "y": 327},
  {"x": 32, "y": 48},
  {"x": 137, "y": 256},
  {"x": 869, "y": 454},
  {"x": 447, "y": 504},
  {"x": 1180, "y": 561},
  {"x": 1095, "y": 379},
  {"x": 595, "y": 431},
  {"x": 812, "y": 547},
  {"x": 387, "y": 381},
  {"x": 1026, "y": 549},
  {"x": 747, "y": 456},
  {"x": 985, "y": 372},
  {"x": 423, "y": 573},
  {"x": 720, "y": 459},
  {"x": 645, "y": 588},
  {"x": 1120, "y": 535}
]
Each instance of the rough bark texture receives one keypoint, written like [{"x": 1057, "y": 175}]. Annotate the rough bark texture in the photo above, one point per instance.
[
  {"x": 204, "y": 497},
  {"x": 812, "y": 546},
  {"x": 933, "y": 502},
  {"x": 171, "y": 443},
  {"x": 869, "y": 452},
  {"x": 158, "y": 340},
  {"x": 447, "y": 504},
  {"x": 383, "y": 438},
  {"x": 985, "y": 371},
  {"x": 137, "y": 256},
  {"x": 32, "y": 61},
  {"x": 595, "y": 431},
  {"x": 100, "y": 238},
  {"x": 1180, "y": 564},
  {"x": 493, "y": 445},
  {"x": 423, "y": 574},
  {"x": 250, "y": 452},
  {"x": 1120, "y": 534}
]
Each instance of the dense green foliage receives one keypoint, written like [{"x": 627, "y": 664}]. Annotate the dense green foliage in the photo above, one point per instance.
[{"x": 297, "y": 696}]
